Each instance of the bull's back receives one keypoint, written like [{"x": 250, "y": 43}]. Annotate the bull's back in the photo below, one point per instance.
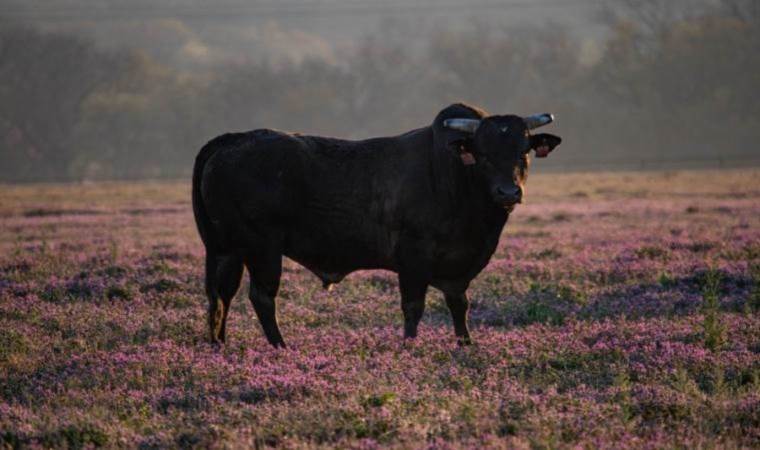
[{"x": 333, "y": 203}]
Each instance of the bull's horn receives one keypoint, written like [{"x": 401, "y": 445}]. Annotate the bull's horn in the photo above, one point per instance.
[
  {"x": 538, "y": 120},
  {"x": 466, "y": 125}
]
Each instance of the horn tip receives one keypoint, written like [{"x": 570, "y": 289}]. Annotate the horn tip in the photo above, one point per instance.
[
  {"x": 539, "y": 120},
  {"x": 460, "y": 124}
]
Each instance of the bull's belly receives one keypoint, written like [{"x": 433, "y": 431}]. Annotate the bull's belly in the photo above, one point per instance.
[
  {"x": 334, "y": 245},
  {"x": 332, "y": 257}
]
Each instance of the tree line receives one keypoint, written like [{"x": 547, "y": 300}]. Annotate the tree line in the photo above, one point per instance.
[{"x": 665, "y": 83}]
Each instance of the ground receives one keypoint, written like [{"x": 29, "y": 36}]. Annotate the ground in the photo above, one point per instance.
[{"x": 620, "y": 310}]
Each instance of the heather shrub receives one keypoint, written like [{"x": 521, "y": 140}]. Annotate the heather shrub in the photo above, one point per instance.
[
  {"x": 581, "y": 338},
  {"x": 714, "y": 331}
]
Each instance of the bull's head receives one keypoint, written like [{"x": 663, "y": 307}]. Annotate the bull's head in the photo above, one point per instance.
[{"x": 499, "y": 146}]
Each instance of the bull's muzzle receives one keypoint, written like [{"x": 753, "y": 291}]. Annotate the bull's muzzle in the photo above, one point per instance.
[{"x": 507, "y": 196}]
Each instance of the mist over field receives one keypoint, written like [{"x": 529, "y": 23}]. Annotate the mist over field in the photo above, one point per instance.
[{"x": 114, "y": 90}]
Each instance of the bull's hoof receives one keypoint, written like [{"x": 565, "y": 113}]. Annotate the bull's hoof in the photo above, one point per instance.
[
  {"x": 464, "y": 341},
  {"x": 409, "y": 340},
  {"x": 278, "y": 344},
  {"x": 410, "y": 332}
]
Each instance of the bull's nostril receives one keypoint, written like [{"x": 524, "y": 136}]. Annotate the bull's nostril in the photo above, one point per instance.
[{"x": 508, "y": 194}]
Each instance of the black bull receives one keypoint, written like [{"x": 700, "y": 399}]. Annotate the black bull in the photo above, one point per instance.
[{"x": 429, "y": 205}]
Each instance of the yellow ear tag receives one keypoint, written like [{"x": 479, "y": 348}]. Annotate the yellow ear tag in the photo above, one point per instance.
[
  {"x": 542, "y": 151},
  {"x": 467, "y": 159}
]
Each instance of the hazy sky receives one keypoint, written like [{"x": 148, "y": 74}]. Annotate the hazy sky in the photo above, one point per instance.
[{"x": 194, "y": 32}]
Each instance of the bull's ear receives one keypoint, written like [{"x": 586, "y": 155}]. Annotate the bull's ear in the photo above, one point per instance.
[
  {"x": 544, "y": 143},
  {"x": 463, "y": 148}
]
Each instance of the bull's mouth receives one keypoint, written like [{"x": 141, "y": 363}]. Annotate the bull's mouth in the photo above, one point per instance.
[{"x": 508, "y": 204}]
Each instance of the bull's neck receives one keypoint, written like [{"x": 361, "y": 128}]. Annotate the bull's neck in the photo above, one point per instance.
[{"x": 465, "y": 194}]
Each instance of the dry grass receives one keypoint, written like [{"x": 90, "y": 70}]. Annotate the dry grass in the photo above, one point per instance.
[{"x": 591, "y": 324}]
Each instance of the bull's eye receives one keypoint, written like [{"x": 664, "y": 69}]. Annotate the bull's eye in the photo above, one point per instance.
[{"x": 504, "y": 129}]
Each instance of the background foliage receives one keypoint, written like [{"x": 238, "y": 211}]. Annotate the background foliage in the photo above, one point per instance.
[{"x": 669, "y": 83}]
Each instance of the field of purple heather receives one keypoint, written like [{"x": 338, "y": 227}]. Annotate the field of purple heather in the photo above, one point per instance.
[{"x": 620, "y": 310}]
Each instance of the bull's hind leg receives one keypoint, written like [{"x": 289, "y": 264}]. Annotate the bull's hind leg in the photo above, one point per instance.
[
  {"x": 223, "y": 273},
  {"x": 265, "y": 268}
]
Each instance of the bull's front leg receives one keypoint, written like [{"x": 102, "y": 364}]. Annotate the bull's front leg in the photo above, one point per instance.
[
  {"x": 413, "y": 290},
  {"x": 458, "y": 305},
  {"x": 413, "y": 278}
]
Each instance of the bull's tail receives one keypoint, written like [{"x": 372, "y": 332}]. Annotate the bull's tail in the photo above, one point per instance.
[
  {"x": 202, "y": 220},
  {"x": 223, "y": 270},
  {"x": 206, "y": 229}
]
